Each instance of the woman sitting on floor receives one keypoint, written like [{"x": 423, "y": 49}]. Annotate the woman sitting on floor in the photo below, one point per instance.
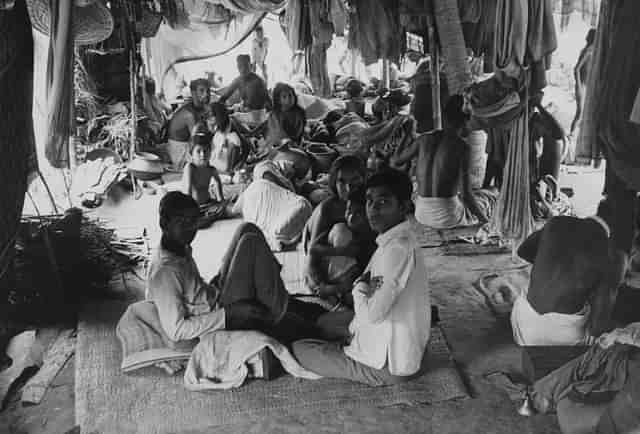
[
  {"x": 287, "y": 120},
  {"x": 346, "y": 175}
]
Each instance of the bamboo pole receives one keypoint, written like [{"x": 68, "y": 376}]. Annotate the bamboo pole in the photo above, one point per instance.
[{"x": 435, "y": 72}]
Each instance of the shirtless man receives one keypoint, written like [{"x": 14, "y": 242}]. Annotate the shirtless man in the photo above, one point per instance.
[
  {"x": 574, "y": 280},
  {"x": 252, "y": 88},
  {"x": 184, "y": 119},
  {"x": 445, "y": 199},
  {"x": 580, "y": 74}
]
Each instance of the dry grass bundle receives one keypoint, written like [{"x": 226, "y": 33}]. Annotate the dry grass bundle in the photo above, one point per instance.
[{"x": 63, "y": 260}]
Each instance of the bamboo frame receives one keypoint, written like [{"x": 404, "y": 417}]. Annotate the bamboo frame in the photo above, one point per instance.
[{"x": 435, "y": 71}]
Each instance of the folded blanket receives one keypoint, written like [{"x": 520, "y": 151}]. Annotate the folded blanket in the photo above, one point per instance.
[
  {"x": 220, "y": 359},
  {"x": 144, "y": 342}
]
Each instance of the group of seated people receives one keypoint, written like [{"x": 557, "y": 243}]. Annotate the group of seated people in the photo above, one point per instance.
[{"x": 381, "y": 340}]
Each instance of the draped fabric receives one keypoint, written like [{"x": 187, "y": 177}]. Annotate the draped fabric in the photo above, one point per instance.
[
  {"x": 613, "y": 85},
  {"x": 59, "y": 91},
  {"x": 512, "y": 218},
  {"x": 511, "y": 35},
  {"x": 212, "y": 28},
  {"x": 375, "y": 31},
  {"x": 16, "y": 127}
]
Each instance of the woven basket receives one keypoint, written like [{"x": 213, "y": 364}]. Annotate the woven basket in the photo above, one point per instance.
[
  {"x": 149, "y": 23},
  {"x": 92, "y": 23}
]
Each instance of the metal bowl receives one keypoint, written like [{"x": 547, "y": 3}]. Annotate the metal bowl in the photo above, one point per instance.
[{"x": 146, "y": 166}]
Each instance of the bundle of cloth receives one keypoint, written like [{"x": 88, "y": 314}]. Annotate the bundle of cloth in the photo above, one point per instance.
[
  {"x": 93, "y": 180},
  {"x": 599, "y": 388},
  {"x": 272, "y": 204},
  {"x": 218, "y": 360}
]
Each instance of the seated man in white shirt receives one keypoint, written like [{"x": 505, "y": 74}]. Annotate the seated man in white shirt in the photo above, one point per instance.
[
  {"x": 247, "y": 293},
  {"x": 390, "y": 329}
]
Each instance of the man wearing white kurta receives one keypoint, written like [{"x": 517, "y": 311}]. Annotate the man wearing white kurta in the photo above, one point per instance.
[{"x": 390, "y": 329}]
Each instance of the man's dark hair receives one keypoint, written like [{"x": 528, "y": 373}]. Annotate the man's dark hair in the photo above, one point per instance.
[
  {"x": 259, "y": 28},
  {"x": 453, "y": 113},
  {"x": 395, "y": 180},
  {"x": 173, "y": 204},
  {"x": 591, "y": 36},
  {"x": 193, "y": 85},
  {"x": 346, "y": 162},
  {"x": 359, "y": 196},
  {"x": 243, "y": 58}
]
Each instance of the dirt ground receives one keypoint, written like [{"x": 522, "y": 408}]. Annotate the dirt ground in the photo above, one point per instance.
[{"x": 481, "y": 344}]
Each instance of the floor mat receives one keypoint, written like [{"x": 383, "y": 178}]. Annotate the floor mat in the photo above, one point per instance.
[
  {"x": 501, "y": 289},
  {"x": 148, "y": 401}
]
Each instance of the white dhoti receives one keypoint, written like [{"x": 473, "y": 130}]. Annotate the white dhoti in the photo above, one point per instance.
[
  {"x": 450, "y": 212},
  {"x": 531, "y": 328}
]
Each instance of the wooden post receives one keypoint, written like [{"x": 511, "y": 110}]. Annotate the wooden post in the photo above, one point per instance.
[
  {"x": 435, "y": 72},
  {"x": 133, "y": 85},
  {"x": 386, "y": 80}
]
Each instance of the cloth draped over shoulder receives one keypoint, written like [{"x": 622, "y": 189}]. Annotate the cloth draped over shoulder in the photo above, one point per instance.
[{"x": 612, "y": 87}]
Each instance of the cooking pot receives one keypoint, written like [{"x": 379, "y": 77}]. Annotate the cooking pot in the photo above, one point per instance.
[{"x": 146, "y": 166}]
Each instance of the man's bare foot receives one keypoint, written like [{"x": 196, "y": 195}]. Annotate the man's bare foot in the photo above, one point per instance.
[{"x": 171, "y": 367}]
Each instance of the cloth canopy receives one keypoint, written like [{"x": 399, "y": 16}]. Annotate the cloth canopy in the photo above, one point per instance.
[{"x": 212, "y": 28}]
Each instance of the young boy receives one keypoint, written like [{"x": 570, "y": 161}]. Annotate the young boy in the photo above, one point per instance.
[
  {"x": 390, "y": 329},
  {"x": 355, "y": 103},
  {"x": 246, "y": 294},
  {"x": 201, "y": 181}
]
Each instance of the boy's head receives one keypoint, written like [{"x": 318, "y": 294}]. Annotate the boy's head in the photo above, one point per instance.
[
  {"x": 259, "y": 32},
  {"x": 388, "y": 195},
  {"x": 200, "y": 145},
  {"x": 356, "y": 211},
  {"x": 179, "y": 215}
]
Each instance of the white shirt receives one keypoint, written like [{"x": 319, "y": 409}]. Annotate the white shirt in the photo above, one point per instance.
[
  {"x": 182, "y": 297},
  {"x": 392, "y": 326}
]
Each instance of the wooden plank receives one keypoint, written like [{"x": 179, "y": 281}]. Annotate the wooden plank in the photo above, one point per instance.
[{"x": 55, "y": 358}]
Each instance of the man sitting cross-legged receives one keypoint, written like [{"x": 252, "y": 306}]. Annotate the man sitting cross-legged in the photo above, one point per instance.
[
  {"x": 445, "y": 198},
  {"x": 390, "y": 328},
  {"x": 576, "y": 272},
  {"x": 246, "y": 294}
]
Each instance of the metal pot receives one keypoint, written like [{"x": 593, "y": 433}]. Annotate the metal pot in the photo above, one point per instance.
[{"x": 146, "y": 166}]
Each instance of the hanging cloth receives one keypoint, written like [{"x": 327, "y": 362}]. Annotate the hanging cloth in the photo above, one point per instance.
[
  {"x": 376, "y": 33},
  {"x": 541, "y": 32},
  {"x": 512, "y": 217},
  {"x": 60, "y": 86},
  {"x": 298, "y": 27},
  {"x": 511, "y": 35}
]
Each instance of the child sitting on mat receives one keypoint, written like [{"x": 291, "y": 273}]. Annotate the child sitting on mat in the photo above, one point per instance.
[
  {"x": 390, "y": 328},
  {"x": 201, "y": 180}
]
